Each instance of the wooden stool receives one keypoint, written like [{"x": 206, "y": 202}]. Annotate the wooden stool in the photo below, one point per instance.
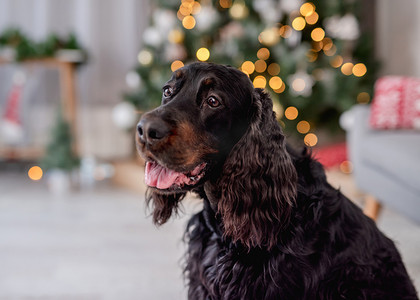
[{"x": 372, "y": 207}]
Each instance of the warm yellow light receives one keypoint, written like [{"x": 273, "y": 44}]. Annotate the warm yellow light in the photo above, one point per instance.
[
  {"x": 225, "y": 3},
  {"x": 185, "y": 8},
  {"x": 196, "y": 8},
  {"x": 145, "y": 57},
  {"x": 363, "y": 98},
  {"x": 312, "y": 55},
  {"x": 318, "y": 34},
  {"x": 303, "y": 127},
  {"x": 188, "y": 22},
  {"x": 331, "y": 51},
  {"x": 180, "y": 16},
  {"x": 298, "y": 84},
  {"x": 281, "y": 89},
  {"x": 263, "y": 53},
  {"x": 359, "y": 70},
  {"x": 269, "y": 36},
  {"x": 238, "y": 10},
  {"x": 260, "y": 66},
  {"x": 273, "y": 69},
  {"x": 310, "y": 139},
  {"x": 312, "y": 19},
  {"x": 336, "y": 61},
  {"x": 347, "y": 68},
  {"x": 176, "y": 65},
  {"x": 248, "y": 67},
  {"x": 260, "y": 82},
  {"x": 176, "y": 36},
  {"x": 285, "y": 31},
  {"x": 327, "y": 44},
  {"x": 35, "y": 173},
  {"x": 346, "y": 167},
  {"x": 317, "y": 46},
  {"x": 291, "y": 113},
  {"x": 275, "y": 82},
  {"x": 203, "y": 54},
  {"x": 298, "y": 23},
  {"x": 246, "y": 73},
  {"x": 307, "y": 9}
]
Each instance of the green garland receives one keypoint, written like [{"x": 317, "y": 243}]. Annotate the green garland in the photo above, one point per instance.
[{"x": 26, "y": 48}]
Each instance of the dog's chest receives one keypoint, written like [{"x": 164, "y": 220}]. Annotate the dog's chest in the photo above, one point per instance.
[{"x": 219, "y": 270}]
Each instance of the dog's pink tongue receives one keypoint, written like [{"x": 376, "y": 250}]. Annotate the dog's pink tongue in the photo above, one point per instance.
[{"x": 160, "y": 177}]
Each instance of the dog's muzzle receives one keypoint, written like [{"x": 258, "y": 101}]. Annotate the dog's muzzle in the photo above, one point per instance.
[{"x": 152, "y": 130}]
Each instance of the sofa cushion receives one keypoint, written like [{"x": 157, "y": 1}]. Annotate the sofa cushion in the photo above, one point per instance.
[
  {"x": 394, "y": 152},
  {"x": 396, "y": 103}
]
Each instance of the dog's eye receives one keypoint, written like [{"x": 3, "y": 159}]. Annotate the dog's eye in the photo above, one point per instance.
[
  {"x": 213, "y": 102},
  {"x": 167, "y": 92}
]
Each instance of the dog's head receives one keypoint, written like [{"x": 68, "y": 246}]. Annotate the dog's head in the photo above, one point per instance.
[
  {"x": 205, "y": 110},
  {"x": 214, "y": 126}
]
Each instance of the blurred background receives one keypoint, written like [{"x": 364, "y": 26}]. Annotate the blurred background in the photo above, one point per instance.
[{"x": 76, "y": 75}]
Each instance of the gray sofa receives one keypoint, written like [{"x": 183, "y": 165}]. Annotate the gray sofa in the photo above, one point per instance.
[{"x": 386, "y": 162}]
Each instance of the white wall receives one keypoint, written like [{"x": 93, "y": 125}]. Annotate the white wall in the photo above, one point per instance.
[
  {"x": 398, "y": 36},
  {"x": 111, "y": 31}
]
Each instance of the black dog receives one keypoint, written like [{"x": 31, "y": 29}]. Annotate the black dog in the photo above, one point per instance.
[{"x": 271, "y": 227}]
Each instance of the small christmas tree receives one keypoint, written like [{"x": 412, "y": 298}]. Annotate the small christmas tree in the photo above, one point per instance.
[
  {"x": 311, "y": 56},
  {"x": 59, "y": 153}
]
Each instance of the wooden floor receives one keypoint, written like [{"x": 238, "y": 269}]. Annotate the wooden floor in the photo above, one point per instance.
[{"x": 99, "y": 244}]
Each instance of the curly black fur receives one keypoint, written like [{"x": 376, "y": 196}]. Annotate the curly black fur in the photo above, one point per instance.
[
  {"x": 252, "y": 206},
  {"x": 271, "y": 226}
]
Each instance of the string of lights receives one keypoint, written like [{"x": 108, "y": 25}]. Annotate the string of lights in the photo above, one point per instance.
[{"x": 293, "y": 49}]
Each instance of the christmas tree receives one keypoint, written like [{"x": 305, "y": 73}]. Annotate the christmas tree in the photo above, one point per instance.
[
  {"x": 59, "y": 153},
  {"x": 312, "y": 57}
]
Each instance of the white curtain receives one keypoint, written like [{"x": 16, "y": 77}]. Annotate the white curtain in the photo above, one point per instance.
[
  {"x": 397, "y": 37},
  {"x": 111, "y": 32}
]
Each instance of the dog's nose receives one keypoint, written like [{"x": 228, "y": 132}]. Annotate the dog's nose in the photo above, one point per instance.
[{"x": 151, "y": 130}]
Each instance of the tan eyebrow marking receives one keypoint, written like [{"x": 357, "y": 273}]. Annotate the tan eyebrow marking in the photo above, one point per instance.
[
  {"x": 179, "y": 74},
  {"x": 208, "y": 81}
]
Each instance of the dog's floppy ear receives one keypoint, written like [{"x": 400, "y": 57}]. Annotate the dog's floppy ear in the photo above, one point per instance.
[
  {"x": 259, "y": 181},
  {"x": 163, "y": 205}
]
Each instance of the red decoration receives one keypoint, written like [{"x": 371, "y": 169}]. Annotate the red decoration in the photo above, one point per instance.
[
  {"x": 396, "y": 103},
  {"x": 331, "y": 156},
  {"x": 11, "y": 123},
  {"x": 12, "y": 111}
]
